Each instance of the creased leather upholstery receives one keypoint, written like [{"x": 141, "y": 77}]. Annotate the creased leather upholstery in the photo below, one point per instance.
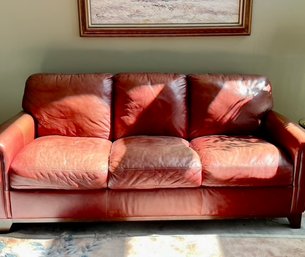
[
  {"x": 70, "y": 105},
  {"x": 14, "y": 135},
  {"x": 153, "y": 204},
  {"x": 166, "y": 203},
  {"x": 291, "y": 137},
  {"x": 150, "y": 104},
  {"x": 246, "y": 201},
  {"x": 227, "y": 104},
  {"x": 242, "y": 161},
  {"x": 62, "y": 204},
  {"x": 153, "y": 162},
  {"x": 58, "y": 162}
]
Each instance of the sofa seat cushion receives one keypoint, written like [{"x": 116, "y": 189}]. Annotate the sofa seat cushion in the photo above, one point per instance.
[
  {"x": 145, "y": 162},
  {"x": 242, "y": 161},
  {"x": 58, "y": 162}
]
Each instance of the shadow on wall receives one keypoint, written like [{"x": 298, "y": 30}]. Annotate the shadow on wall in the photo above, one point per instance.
[{"x": 67, "y": 60}]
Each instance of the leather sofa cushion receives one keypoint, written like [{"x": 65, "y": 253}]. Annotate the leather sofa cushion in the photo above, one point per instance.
[
  {"x": 70, "y": 105},
  {"x": 242, "y": 161},
  {"x": 57, "y": 162},
  {"x": 150, "y": 104},
  {"x": 227, "y": 104},
  {"x": 145, "y": 162}
]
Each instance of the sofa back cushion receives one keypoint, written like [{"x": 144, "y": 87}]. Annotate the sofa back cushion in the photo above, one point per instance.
[
  {"x": 150, "y": 104},
  {"x": 70, "y": 105},
  {"x": 227, "y": 104}
]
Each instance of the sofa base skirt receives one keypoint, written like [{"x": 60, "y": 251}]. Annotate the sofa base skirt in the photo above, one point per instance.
[{"x": 156, "y": 204}]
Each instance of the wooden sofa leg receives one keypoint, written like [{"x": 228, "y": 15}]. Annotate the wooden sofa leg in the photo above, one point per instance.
[
  {"x": 295, "y": 220},
  {"x": 5, "y": 226}
]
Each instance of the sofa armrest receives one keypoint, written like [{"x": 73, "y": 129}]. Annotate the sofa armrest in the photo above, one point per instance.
[
  {"x": 291, "y": 138},
  {"x": 14, "y": 135},
  {"x": 284, "y": 132}
]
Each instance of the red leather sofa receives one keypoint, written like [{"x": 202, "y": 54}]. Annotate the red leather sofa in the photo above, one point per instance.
[{"x": 149, "y": 146}]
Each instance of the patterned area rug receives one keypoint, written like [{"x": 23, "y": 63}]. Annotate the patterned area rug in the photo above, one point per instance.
[{"x": 239, "y": 238}]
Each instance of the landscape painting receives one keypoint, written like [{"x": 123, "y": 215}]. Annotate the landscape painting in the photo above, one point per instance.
[{"x": 164, "y": 17}]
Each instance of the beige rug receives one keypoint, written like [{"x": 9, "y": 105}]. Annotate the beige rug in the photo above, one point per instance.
[{"x": 259, "y": 238}]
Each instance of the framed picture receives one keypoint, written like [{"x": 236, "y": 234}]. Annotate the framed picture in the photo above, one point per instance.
[{"x": 105, "y": 18}]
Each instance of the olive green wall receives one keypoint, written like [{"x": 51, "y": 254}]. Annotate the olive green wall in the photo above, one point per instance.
[{"x": 42, "y": 36}]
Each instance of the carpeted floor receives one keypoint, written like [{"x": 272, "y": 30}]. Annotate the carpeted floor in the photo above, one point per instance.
[{"x": 234, "y": 238}]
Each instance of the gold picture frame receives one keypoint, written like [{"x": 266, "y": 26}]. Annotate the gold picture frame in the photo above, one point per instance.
[{"x": 138, "y": 18}]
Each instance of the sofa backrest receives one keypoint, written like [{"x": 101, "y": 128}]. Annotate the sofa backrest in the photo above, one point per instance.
[
  {"x": 70, "y": 105},
  {"x": 165, "y": 104},
  {"x": 227, "y": 104},
  {"x": 150, "y": 104}
]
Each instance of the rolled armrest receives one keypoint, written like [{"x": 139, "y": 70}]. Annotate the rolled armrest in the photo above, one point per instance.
[
  {"x": 14, "y": 135},
  {"x": 291, "y": 138},
  {"x": 285, "y": 133}
]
